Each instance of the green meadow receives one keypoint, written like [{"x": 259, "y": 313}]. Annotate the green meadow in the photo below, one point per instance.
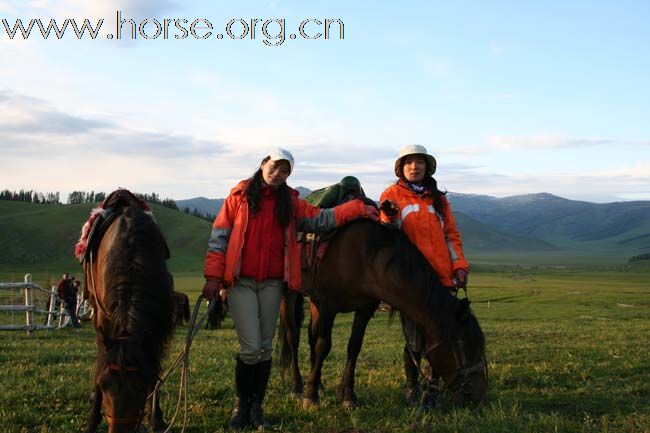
[{"x": 567, "y": 350}]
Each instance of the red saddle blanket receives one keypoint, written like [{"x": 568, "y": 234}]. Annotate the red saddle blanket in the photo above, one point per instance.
[{"x": 101, "y": 217}]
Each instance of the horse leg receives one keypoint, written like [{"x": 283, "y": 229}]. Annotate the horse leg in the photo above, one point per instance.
[
  {"x": 289, "y": 338},
  {"x": 293, "y": 340},
  {"x": 156, "y": 420},
  {"x": 346, "y": 389},
  {"x": 95, "y": 416},
  {"x": 322, "y": 347},
  {"x": 312, "y": 332}
]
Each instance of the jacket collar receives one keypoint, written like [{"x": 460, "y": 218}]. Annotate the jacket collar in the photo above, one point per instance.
[{"x": 403, "y": 184}]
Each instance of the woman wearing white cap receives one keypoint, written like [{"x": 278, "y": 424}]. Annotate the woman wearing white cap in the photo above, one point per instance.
[
  {"x": 253, "y": 253},
  {"x": 416, "y": 205}
]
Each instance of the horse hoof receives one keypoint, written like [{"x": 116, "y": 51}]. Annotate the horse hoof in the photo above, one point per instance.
[
  {"x": 350, "y": 404},
  {"x": 309, "y": 404}
]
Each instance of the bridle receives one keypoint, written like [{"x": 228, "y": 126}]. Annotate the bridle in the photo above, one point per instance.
[
  {"x": 134, "y": 419},
  {"x": 462, "y": 370}
]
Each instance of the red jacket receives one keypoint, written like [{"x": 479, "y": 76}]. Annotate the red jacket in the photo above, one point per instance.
[
  {"x": 436, "y": 236},
  {"x": 263, "y": 251},
  {"x": 223, "y": 259}
]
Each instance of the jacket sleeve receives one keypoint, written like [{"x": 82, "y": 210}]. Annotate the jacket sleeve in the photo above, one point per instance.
[
  {"x": 315, "y": 220},
  {"x": 452, "y": 236},
  {"x": 215, "y": 258}
]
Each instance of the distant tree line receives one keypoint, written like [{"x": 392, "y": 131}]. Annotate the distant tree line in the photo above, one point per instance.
[
  {"x": 640, "y": 257},
  {"x": 80, "y": 197},
  {"x": 30, "y": 196},
  {"x": 155, "y": 198},
  {"x": 197, "y": 213}
]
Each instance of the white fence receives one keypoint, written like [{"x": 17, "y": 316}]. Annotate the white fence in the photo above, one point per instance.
[{"x": 30, "y": 308}]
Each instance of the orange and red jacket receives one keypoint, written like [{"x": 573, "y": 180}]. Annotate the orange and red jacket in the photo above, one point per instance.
[
  {"x": 224, "y": 256},
  {"x": 435, "y": 235},
  {"x": 263, "y": 252}
]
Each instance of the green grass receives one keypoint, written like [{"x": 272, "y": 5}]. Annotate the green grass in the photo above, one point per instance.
[
  {"x": 568, "y": 352},
  {"x": 43, "y": 236}
]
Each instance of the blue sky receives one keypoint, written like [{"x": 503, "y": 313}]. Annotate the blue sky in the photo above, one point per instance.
[{"x": 511, "y": 97}]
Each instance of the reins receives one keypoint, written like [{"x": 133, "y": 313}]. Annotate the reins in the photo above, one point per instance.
[{"x": 184, "y": 357}]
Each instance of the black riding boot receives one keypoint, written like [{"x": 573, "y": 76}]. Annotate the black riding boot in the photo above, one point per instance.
[
  {"x": 412, "y": 394},
  {"x": 262, "y": 373},
  {"x": 244, "y": 388}
]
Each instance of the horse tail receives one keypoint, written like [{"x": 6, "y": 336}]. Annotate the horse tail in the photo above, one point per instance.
[
  {"x": 292, "y": 316},
  {"x": 186, "y": 308}
]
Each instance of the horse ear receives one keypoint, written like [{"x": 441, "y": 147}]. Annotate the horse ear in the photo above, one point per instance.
[{"x": 462, "y": 310}]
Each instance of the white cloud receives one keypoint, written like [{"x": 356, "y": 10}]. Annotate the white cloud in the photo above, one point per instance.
[
  {"x": 544, "y": 141},
  {"x": 617, "y": 183}
]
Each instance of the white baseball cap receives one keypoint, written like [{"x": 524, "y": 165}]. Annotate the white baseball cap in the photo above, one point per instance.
[
  {"x": 278, "y": 154},
  {"x": 415, "y": 149}
]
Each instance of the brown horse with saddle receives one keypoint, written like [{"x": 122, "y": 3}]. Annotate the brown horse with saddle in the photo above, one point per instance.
[
  {"x": 363, "y": 264},
  {"x": 124, "y": 255}
]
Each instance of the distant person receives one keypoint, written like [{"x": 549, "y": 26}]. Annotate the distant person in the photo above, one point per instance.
[
  {"x": 76, "y": 288},
  {"x": 68, "y": 293},
  {"x": 253, "y": 253},
  {"x": 416, "y": 205}
]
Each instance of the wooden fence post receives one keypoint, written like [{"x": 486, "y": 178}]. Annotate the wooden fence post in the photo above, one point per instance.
[
  {"x": 52, "y": 309},
  {"x": 29, "y": 302}
]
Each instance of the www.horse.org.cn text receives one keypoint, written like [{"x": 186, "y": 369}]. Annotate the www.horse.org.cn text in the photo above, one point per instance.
[{"x": 272, "y": 31}]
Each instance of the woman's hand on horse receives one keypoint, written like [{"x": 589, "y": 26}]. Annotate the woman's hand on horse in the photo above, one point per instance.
[
  {"x": 460, "y": 279},
  {"x": 389, "y": 208},
  {"x": 372, "y": 213},
  {"x": 211, "y": 288}
]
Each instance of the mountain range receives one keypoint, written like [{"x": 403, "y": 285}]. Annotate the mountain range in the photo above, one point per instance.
[
  {"x": 534, "y": 229},
  {"x": 535, "y": 223}
]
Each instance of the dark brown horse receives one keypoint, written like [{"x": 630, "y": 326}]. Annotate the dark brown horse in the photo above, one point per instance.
[
  {"x": 217, "y": 311},
  {"x": 131, "y": 293},
  {"x": 181, "y": 308},
  {"x": 365, "y": 263}
]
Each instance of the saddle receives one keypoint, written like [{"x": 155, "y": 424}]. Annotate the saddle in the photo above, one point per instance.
[
  {"x": 101, "y": 219},
  {"x": 315, "y": 245}
]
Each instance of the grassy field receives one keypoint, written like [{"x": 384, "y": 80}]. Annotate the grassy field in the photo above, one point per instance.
[{"x": 568, "y": 352}]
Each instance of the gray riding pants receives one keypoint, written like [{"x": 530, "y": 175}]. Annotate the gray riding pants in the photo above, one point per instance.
[{"x": 254, "y": 307}]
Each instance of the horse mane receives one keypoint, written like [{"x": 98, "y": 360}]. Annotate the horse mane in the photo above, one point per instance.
[
  {"x": 407, "y": 262},
  {"x": 138, "y": 294}
]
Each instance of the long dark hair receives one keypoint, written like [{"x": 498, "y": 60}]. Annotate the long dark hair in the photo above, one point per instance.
[
  {"x": 430, "y": 184},
  {"x": 283, "y": 205}
]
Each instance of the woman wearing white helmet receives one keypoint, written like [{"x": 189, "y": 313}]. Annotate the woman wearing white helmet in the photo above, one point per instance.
[
  {"x": 253, "y": 254},
  {"x": 416, "y": 205}
]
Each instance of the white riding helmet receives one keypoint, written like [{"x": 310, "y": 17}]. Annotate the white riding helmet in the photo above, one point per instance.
[{"x": 415, "y": 149}]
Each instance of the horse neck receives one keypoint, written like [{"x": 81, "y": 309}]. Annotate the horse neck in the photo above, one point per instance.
[{"x": 413, "y": 302}]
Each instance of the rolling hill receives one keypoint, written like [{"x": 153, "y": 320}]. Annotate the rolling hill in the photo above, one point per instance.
[
  {"x": 204, "y": 205},
  {"x": 44, "y": 236},
  {"x": 530, "y": 229},
  {"x": 563, "y": 222}
]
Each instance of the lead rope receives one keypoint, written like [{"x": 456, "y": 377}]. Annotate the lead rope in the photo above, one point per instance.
[{"x": 184, "y": 357}]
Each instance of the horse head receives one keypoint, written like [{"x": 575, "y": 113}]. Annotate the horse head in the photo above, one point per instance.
[
  {"x": 459, "y": 357},
  {"x": 124, "y": 380}
]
